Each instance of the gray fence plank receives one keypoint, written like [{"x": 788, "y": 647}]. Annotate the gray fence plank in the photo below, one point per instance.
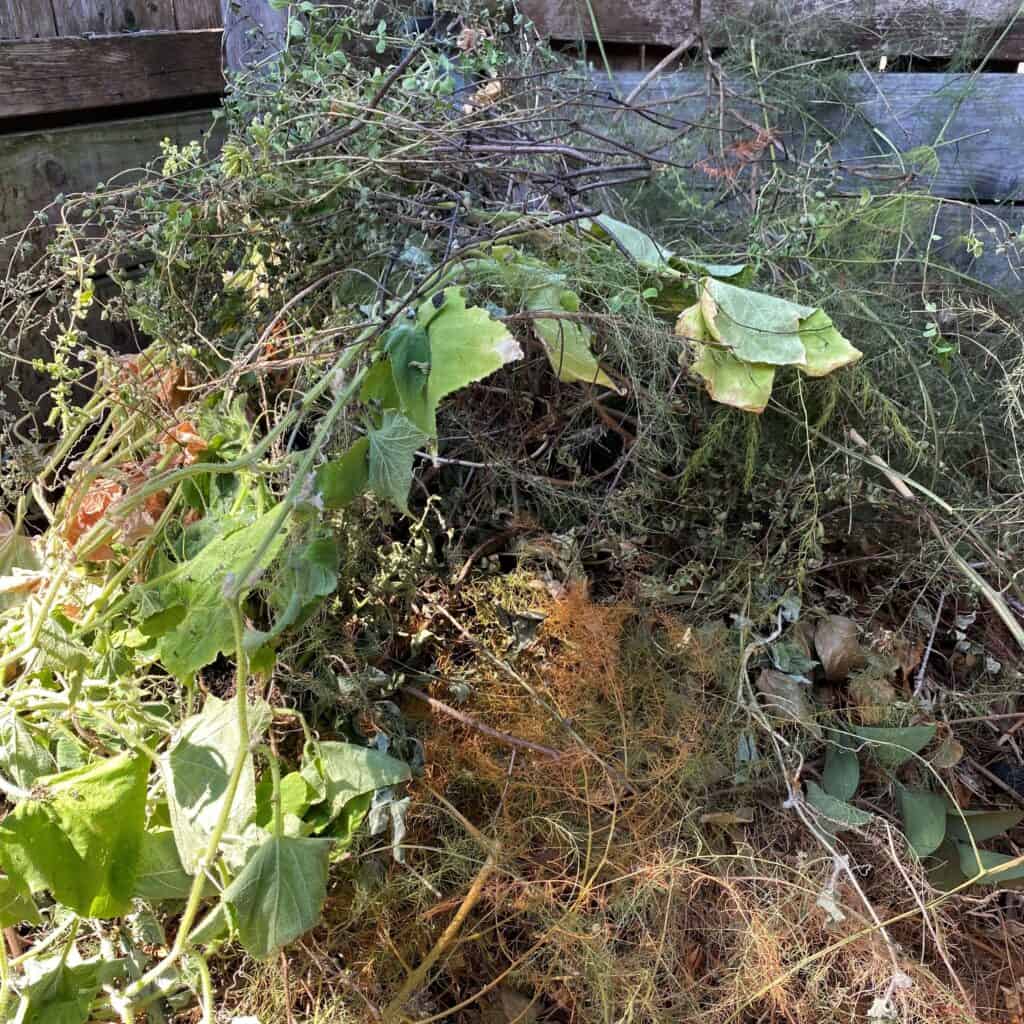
[
  {"x": 927, "y": 28},
  {"x": 26, "y": 19}
]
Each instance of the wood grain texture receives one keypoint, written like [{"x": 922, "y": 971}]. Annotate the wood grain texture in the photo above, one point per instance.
[
  {"x": 197, "y": 14},
  {"x": 49, "y": 75},
  {"x": 37, "y": 166},
  {"x": 253, "y": 32},
  {"x": 26, "y": 19},
  {"x": 104, "y": 17},
  {"x": 925, "y": 28},
  {"x": 957, "y": 136}
]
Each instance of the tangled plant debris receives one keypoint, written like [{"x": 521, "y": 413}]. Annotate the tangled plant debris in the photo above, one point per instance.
[{"x": 374, "y": 612}]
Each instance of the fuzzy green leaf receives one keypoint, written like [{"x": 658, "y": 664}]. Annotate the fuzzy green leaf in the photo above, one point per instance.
[
  {"x": 16, "y": 903},
  {"x": 342, "y": 480},
  {"x": 393, "y": 448},
  {"x": 59, "y": 992},
  {"x": 408, "y": 349},
  {"x": 196, "y": 768},
  {"x": 82, "y": 842},
  {"x": 924, "y": 818},
  {"x": 161, "y": 876},
  {"x": 839, "y": 814},
  {"x": 279, "y": 893},
  {"x": 893, "y": 747},
  {"x": 206, "y": 629}
]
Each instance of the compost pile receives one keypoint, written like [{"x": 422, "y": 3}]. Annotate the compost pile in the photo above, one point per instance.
[{"x": 473, "y": 602}]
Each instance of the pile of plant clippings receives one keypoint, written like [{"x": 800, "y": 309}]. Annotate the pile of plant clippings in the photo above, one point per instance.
[{"x": 548, "y": 559}]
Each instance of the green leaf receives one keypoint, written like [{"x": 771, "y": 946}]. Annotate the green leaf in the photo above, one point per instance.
[
  {"x": 731, "y": 381},
  {"x": 296, "y": 796},
  {"x": 465, "y": 345},
  {"x": 196, "y": 768},
  {"x": 393, "y": 447},
  {"x": 279, "y": 893},
  {"x": 22, "y": 758},
  {"x": 826, "y": 348},
  {"x": 408, "y": 348},
  {"x": 83, "y": 841},
  {"x": 757, "y": 328},
  {"x": 340, "y": 481},
  {"x": 640, "y": 246},
  {"x": 944, "y": 866},
  {"x": 62, "y": 993},
  {"x": 840, "y": 815},
  {"x": 893, "y": 747},
  {"x": 16, "y": 903},
  {"x": 924, "y": 817},
  {"x": 337, "y": 772},
  {"x": 567, "y": 343},
  {"x": 993, "y": 864},
  {"x": 161, "y": 876},
  {"x": 206, "y": 630},
  {"x": 982, "y": 824},
  {"x": 841, "y": 774},
  {"x": 16, "y": 552},
  {"x": 379, "y": 386}
]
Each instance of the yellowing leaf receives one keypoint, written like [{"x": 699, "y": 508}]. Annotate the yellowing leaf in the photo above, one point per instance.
[
  {"x": 826, "y": 348},
  {"x": 731, "y": 381}
]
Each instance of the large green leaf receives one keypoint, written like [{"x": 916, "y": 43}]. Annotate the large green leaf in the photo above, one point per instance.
[
  {"x": 337, "y": 772},
  {"x": 393, "y": 446},
  {"x": 206, "y": 629},
  {"x": 841, "y": 774},
  {"x": 342, "y": 480},
  {"x": 22, "y": 758},
  {"x": 82, "y": 842},
  {"x": 838, "y": 814},
  {"x": 924, "y": 818},
  {"x": 60, "y": 992},
  {"x": 465, "y": 345},
  {"x": 981, "y": 824},
  {"x": 647, "y": 253},
  {"x": 730, "y": 381},
  {"x": 408, "y": 349},
  {"x": 892, "y": 747},
  {"x": 196, "y": 768},
  {"x": 758, "y": 328},
  {"x": 279, "y": 893}
]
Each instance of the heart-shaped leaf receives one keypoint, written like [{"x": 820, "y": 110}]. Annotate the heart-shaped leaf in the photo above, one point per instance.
[
  {"x": 924, "y": 818},
  {"x": 839, "y": 815}
]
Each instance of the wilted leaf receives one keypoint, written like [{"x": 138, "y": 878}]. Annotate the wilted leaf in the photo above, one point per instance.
[
  {"x": 924, "y": 818},
  {"x": 872, "y": 696},
  {"x": 791, "y": 657},
  {"x": 839, "y": 814},
  {"x": 982, "y": 825},
  {"x": 841, "y": 774},
  {"x": 690, "y": 324},
  {"x": 85, "y": 509},
  {"x": 947, "y": 754},
  {"x": 892, "y": 747},
  {"x": 826, "y": 348},
  {"x": 82, "y": 841},
  {"x": 738, "y": 816},
  {"x": 787, "y": 697},
  {"x": 337, "y": 772},
  {"x": 17, "y": 558},
  {"x": 278, "y": 895},
  {"x": 836, "y": 641},
  {"x": 393, "y": 448}
]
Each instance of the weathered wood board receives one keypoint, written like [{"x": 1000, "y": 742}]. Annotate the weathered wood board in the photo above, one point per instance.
[
  {"x": 32, "y": 19},
  {"x": 957, "y": 136},
  {"x": 924, "y": 28},
  {"x": 26, "y": 19},
  {"x": 44, "y": 76},
  {"x": 253, "y": 31},
  {"x": 37, "y": 166}
]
